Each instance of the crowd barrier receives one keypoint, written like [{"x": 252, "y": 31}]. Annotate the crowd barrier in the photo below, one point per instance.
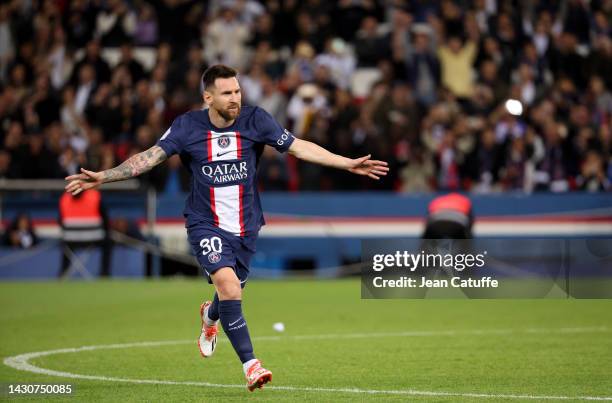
[{"x": 314, "y": 233}]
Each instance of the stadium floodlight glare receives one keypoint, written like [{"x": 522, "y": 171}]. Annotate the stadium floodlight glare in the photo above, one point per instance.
[{"x": 514, "y": 107}]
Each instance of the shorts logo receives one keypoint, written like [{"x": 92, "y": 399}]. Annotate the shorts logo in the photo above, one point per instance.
[
  {"x": 223, "y": 141},
  {"x": 214, "y": 257}
]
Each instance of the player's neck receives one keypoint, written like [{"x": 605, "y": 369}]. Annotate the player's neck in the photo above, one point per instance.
[{"x": 218, "y": 120}]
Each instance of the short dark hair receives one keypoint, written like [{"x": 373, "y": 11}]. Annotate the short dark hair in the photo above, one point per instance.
[{"x": 214, "y": 72}]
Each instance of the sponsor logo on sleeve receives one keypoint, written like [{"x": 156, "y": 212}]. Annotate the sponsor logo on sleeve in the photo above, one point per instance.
[{"x": 284, "y": 137}]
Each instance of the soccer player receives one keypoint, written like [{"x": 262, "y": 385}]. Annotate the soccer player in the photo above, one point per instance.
[{"x": 221, "y": 146}]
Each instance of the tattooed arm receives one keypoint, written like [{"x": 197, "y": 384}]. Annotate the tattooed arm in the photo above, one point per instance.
[{"x": 133, "y": 166}]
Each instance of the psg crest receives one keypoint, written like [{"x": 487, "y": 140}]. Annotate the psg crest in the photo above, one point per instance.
[
  {"x": 223, "y": 141},
  {"x": 214, "y": 257}
]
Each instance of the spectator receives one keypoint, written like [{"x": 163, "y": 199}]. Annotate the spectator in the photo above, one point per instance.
[
  {"x": 189, "y": 92},
  {"x": 5, "y": 166},
  {"x": 490, "y": 50},
  {"x": 264, "y": 32},
  {"x": 225, "y": 40},
  {"x": 273, "y": 171},
  {"x": 308, "y": 30},
  {"x": 58, "y": 59},
  {"x": 104, "y": 111},
  {"x": 418, "y": 174},
  {"x": 398, "y": 114},
  {"x": 370, "y": 44},
  {"x": 272, "y": 100},
  {"x": 44, "y": 102},
  {"x": 513, "y": 175},
  {"x": 526, "y": 85},
  {"x": 85, "y": 89},
  {"x": 592, "y": 176},
  {"x": 20, "y": 233},
  {"x": 127, "y": 60},
  {"x": 116, "y": 24},
  {"x": 456, "y": 59},
  {"x": 146, "y": 32},
  {"x": 600, "y": 58},
  {"x": 303, "y": 106},
  {"x": 567, "y": 61},
  {"x": 302, "y": 62},
  {"x": 40, "y": 161},
  {"x": 7, "y": 45},
  {"x": 422, "y": 65},
  {"x": 489, "y": 78},
  {"x": 485, "y": 162},
  {"x": 340, "y": 61},
  {"x": 193, "y": 61},
  {"x": 80, "y": 23},
  {"x": 578, "y": 20},
  {"x": 552, "y": 169},
  {"x": 250, "y": 84},
  {"x": 15, "y": 146}
]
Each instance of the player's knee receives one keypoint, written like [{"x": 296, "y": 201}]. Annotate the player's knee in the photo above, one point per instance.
[
  {"x": 227, "y": 284},
  {"x": 229, "y": 290}
]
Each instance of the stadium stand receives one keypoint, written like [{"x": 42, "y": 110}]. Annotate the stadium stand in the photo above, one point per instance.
[{"x": 424, "y": 84}]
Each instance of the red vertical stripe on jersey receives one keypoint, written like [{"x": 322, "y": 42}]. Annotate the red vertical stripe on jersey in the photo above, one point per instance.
[
  {"x": 212, "y": 189},
  {"x": 238, "y": 146},
  {"x": 241, "y": 208},
  {"x": 240, "y": 187},
  {"x": 213, "y": 207},
  {"x": 209, "y": 145}
]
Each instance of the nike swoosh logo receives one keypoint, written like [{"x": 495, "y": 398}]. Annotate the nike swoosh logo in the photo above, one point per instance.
[
  {"x": 232, "y": 324},
  {"x": 227, "y": 152}
]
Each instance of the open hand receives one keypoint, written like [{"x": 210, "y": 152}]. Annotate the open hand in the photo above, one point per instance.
[
  {"x": 83, "y": 181},
  {"x": 372, "y": 168}
]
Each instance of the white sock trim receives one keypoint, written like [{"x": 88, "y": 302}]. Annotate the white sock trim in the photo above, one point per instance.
[
  {"x": 248, "y": 364},
  {"x": 207, "y": 320}
]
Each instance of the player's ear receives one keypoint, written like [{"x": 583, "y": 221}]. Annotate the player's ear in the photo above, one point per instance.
[{"x": 207, "y": 97}]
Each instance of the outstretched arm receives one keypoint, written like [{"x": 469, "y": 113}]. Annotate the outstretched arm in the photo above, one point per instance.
[
  {"x": 311, "y": 152},
  {"x": 133, "y": 166}
]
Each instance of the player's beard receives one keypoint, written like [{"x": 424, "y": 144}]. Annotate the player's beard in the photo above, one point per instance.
[{"x": 230, "y": 114}]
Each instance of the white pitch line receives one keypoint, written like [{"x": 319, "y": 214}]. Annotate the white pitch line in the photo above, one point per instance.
[{"x": 21, "y": 362}]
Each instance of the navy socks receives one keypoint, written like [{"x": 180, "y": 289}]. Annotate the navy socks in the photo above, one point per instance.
[
  {"x": 235, "y": 327},
  {"x": 213, "y": 309}
]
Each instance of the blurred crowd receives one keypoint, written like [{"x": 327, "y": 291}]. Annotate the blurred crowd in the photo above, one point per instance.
[{"x": 476, "y": 95}]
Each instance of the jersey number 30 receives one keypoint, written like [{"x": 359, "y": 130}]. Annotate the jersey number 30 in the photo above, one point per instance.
[{"x": 212, "y": 244}]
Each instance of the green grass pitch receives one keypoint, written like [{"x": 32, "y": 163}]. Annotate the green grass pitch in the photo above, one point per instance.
[{"x": 336, "y": 347}]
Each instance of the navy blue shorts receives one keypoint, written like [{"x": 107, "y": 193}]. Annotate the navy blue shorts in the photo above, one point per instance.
[{"x": 215, "y": 248}]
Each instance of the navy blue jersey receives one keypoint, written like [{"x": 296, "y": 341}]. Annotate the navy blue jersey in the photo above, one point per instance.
[{"x": 223, "y": 166}]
